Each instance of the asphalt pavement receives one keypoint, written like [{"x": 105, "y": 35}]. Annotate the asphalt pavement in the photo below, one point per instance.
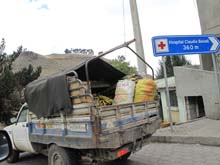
[
  {"x": 153, "y": 154},
  {"x": 196, "y": 143}
]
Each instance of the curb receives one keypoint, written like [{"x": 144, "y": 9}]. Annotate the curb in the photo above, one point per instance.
[
  {"x": 211, "y": 141},
  {"x": 191, "y": 121}
]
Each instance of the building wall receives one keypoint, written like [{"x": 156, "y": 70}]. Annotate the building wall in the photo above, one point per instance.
[
  {"x": 206, "y": 62},
  {"x": 209, "y": 15},
  {"x": 174, "y": 110},
  {"x": 182, "y": 108},
  {"x": 164, "y": 104},
  {"x": 194, "y": 82}
]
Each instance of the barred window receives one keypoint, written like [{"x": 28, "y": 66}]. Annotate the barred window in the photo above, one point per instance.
[{"x": 173, "y": 98}]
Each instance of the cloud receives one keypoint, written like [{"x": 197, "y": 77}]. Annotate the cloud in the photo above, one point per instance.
[
  {"x": 44, "y": 6},
  {"x": 95, "y": 24},
  {"x": 38, "y": 4},
  {"x": 33, "y": 0}
]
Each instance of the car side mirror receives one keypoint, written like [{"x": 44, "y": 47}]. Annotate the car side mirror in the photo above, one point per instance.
[
  {"x": 13, "y": 120},
  {"x": 5, "y": 145}
]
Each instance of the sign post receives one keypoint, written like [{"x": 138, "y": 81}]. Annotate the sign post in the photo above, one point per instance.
[
  {"x": 185, "y": 44},
  {"x": 167, "y": 94},
  {"x": 216, "y": 73}
]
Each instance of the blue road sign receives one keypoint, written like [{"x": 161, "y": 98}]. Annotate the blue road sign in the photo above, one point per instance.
[{"x": 185, "y": 44}]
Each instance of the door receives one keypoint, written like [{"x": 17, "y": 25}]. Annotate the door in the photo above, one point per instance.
[{"x": 20, "y": 131}]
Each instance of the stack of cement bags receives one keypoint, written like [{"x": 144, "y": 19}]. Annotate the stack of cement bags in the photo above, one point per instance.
[
  {"x": 124, "y": 92},
  {"x": 145, "y": 90},
  {"x": 128, "y": 92}
]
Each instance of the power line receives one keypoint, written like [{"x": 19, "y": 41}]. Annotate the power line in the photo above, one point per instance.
[
  {"x": 123, "y": 6},
  {"x": 124, "y": 23}
]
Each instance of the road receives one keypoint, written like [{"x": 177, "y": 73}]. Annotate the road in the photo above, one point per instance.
[{"x": 153, "y": 154}]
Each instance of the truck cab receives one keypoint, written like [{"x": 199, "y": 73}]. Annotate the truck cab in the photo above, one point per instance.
[{"x": 19, "y": 133}]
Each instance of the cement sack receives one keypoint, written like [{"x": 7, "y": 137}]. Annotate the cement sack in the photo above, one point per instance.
[
  {"x": 145, "y": 90},
  {"x": 124, "y": 92},
  {"x": 125, "y": 87}
]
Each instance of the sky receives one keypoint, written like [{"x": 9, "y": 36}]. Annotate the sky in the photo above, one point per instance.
[{"x": 51, "y": 26}]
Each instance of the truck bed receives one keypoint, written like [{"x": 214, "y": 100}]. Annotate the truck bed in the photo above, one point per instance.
[{"x": 91, "y": 127}]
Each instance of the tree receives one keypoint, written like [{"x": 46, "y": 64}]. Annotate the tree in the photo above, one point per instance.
[
  {"x": 7, "y": 60},
  {"x": 67, "y": 51},
  {"x": 2, "y": 55},
  {"x": 121, "y": 64},
  {"x": 7, "y": 87},
  {"x": 12, "y": 84},
  {"x": 170, "y": 62},
  {"x": 2, "y": 46},
  {"x": 16, "y": 53},
  {"x": 27, "y": 75},
  {"x": 79, "y": 51}
]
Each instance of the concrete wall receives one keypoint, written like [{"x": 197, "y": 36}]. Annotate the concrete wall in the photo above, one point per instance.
[
  {"x": 182, "y": 108},
  {"x": 194, "y": 82},
  {"x": 174, "y": 110},
  {"x": 209, "y": 14},
  {"x": 164, "y": 104},
  {"x": 206, "y": 62}
]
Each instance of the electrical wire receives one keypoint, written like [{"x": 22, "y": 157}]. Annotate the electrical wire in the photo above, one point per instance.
[
  {"x": 124, "y": 24},
  {"x": 123, "y": 6},
  {"x": 195, "y": 4}
]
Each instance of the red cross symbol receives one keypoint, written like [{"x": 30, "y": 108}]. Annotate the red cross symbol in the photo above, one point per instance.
[{"x": 162, "y": 45}]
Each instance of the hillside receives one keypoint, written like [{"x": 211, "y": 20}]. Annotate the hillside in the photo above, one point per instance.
[{"x": 50, "y": 64}]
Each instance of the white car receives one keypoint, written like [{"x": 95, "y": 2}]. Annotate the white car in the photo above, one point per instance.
[{"x": 19, "y": 135}]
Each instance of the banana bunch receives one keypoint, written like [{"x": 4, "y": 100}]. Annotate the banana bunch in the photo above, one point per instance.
[{"x": 103, "y": 100}]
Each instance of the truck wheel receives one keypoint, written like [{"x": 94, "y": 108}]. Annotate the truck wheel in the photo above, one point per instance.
[
  {"x": 13, "y": 157},
  {"x": 61, "y": 156}
]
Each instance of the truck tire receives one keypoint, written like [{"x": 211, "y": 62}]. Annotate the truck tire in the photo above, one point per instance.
[
  {"x": 62, "y": 156},
  {"x": 13, "y": 158}
]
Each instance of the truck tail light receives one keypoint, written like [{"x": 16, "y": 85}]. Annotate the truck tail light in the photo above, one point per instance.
[{"x": 122, "y": 152}]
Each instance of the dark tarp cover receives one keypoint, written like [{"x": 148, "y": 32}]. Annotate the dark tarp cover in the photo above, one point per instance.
[
  {"x": 48, "y": 96},
  {"x": 99, "y": 70}
]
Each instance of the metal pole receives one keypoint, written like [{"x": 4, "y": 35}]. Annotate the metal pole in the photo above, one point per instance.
[
  {"x": 216, "y": 74},
  {"x": 167, "y": 94},
  {"x": 137, "y": 35},
  {"x": 217, "y": 69}
]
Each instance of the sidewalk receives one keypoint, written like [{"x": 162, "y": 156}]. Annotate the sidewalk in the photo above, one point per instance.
[{"x": 202, "y": 131}]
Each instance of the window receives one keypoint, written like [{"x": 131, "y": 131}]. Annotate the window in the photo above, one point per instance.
[
  {"x": 23, "y": 115},
  {"x": 173, "y": 98}
]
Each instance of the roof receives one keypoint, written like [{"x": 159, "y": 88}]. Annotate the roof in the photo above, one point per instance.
[{"x": 161, "y": 83}]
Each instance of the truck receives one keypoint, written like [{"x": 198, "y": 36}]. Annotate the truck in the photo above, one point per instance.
[{"x": 46, "y": 125}]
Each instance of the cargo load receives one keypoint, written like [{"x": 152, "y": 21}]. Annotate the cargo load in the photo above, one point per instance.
[
  {"x": 145, "y": 90},
  {"x": 124, "y": 92}
]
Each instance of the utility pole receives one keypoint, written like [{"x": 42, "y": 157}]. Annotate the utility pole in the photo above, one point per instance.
[{"x": 137, "y": 35}]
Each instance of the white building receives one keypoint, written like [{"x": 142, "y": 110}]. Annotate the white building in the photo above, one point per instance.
[{"x": 189, "y": 96}]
